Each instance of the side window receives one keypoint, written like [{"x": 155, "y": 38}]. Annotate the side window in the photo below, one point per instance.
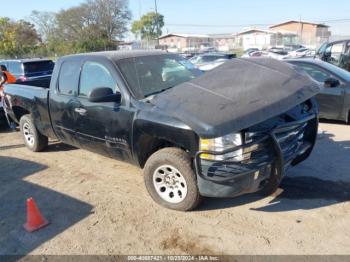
[
  {"x": 347, "y": 48},
  {"x": 315, "y": 72},
  {"x": 344, "y": 60},
  {"x": 69, "y": 78},
  {"x": 95, "y": 75},
  {"x": 336, "y": 52}
]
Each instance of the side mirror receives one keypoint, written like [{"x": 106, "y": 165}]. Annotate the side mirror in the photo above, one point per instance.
[
  {"x": 331, "y": 82},
  {"x": 104, "y": 94}
]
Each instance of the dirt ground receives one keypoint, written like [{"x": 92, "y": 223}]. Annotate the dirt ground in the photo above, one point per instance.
[{"x": 97, "y": 205}]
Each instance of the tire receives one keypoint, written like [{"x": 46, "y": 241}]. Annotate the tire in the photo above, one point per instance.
[
  {"x": 33, "y": 139},
  {"x": 273, "y": 183},
  {"x": 171, "y": 169}
]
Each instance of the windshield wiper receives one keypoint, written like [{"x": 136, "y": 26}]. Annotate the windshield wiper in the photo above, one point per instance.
[{"x": 158, "y": 92}]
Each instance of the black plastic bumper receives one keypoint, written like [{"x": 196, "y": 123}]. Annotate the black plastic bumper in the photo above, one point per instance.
[{"x": 274, "y": 151}]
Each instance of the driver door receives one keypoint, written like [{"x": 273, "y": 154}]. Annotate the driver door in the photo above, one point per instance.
[{"x": 102, "y": 127}]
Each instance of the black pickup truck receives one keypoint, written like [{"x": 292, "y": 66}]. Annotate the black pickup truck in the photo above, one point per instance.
[{"x": 231, "y": 131}]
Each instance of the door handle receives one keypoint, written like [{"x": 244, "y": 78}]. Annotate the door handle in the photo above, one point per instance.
[{"x": 80, "y": 111}]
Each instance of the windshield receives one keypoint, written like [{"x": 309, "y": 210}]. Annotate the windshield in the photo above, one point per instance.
[
  {"x": 150, "y": 75},
  {"x": 321, "y": 49}
]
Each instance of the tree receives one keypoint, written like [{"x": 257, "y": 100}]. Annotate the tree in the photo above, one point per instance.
[
  {"x": 111, "y": 17},
  {"x": 17, "y": 39},
  {"x": 149, "y": 26},
  {"x": 93, "y": 26},
  {"x": 45, "y": 22}
]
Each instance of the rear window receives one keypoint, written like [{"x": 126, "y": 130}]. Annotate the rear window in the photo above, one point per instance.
[
  {"x": 69, "y": 78},
  {"x": 38, "y": 67}
]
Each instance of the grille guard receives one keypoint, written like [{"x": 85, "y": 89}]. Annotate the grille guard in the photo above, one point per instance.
[{"x": 279, "y": 162}]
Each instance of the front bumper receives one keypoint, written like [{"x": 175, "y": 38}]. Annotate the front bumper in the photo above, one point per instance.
[{"x": 271, "y": 151}]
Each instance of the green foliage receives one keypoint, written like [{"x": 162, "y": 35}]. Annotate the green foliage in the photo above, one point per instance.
[
  {"x": 149, "y": 26},
  {"x": 17, "y": 38},
  {"x": 94, "y": 25}
]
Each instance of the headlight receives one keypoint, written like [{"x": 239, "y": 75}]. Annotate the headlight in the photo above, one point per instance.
[{"x": 221, "y": 144}]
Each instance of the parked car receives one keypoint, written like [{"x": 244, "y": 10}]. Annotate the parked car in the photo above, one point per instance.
[
  {"x": 255, "y": 54},
  {"x": 206, "y": 48},
  {"x": 278, "y": 53},
  {"x": 227, "y": 132},
  {"x": 293, "y": 47},
  {"x": 209, "y": 61},
  {"x": 29, "y": 69},
  {"x": 187, "y": 55},
  {"x": 334, "y": 99},
  {"x": 302, "y": 52},
  {"x": 336, "y": 53},
  {"x": 250, "y": 50}
]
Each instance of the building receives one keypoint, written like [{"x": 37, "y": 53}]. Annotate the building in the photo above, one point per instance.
[
  {"x": 185, "y": 42},
  {"x": 309, "y": 34},
  {"x": 254, "y": 38},
  {"x": 223, "y": 42},
  {"x": 264, "y": 39}
]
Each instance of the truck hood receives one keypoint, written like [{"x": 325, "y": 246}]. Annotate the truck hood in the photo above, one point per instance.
[{"x": 237, "y": 95}]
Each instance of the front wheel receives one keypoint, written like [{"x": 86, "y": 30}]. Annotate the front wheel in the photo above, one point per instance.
[
  {"x": 170, "y": 180},
  {"x": 33, "y": 139}
]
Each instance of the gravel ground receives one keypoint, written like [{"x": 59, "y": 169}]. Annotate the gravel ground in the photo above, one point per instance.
[{"x": 97, "y": 205}]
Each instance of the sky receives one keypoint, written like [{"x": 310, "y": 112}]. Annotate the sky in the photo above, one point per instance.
[{"x": 215, "y": 16}]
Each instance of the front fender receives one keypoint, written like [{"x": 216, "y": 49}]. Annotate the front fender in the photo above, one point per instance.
[{"x": 150, "y": 128}]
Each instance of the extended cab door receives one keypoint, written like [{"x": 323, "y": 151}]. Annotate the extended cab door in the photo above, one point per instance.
[
  {"x": 103, "y": 127},
  {"x": 63, "y": 100}
]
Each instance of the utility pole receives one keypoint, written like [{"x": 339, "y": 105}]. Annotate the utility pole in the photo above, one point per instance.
[
  {"x": 301, "y": 30},
  {"x": 157, "y": 22}
]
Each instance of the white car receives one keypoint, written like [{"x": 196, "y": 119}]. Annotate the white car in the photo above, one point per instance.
[
  {"x": 207, "y": 62},
  {"x": 302, "y": 52},
  {"x": 279, "y": 55}
]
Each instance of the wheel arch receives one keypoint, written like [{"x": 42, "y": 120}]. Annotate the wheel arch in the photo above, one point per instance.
[
  {"x": 18, "y": 112},
  {"x": 147, "y": 145},
  {"x": 151, "y": 137}
]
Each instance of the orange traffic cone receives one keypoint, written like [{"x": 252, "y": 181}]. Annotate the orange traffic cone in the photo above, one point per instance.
[{"x": 35, "y": 220}]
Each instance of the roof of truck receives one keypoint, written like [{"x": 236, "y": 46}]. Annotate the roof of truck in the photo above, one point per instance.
[{"x": 121, "y": 54}]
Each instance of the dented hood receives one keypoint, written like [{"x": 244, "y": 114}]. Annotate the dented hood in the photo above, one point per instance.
[{"x": 237, "y": 95}]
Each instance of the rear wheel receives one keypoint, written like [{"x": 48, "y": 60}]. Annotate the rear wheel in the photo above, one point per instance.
[
  {"x": 170, "y": 180},
  {"x": 33, "y": 139}
]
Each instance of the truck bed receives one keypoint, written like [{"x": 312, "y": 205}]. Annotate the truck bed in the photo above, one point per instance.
[
  {"x": 43, "y": 82},
  {"x": 32, "y": 97}
]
